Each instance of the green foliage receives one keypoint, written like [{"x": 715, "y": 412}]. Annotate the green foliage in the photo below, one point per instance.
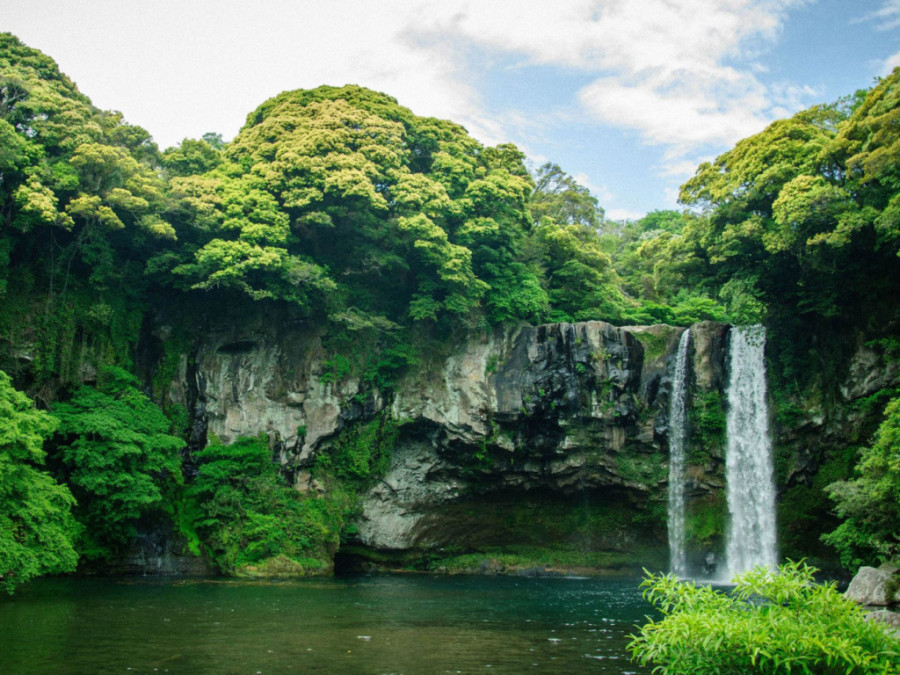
[
  {"x": 82, "y": 205},
  {"x": 559, "y": 197},
  {"x": 649, "y": 469},
  {"x": 336, "y": 369},
  {"x": 708, "y": 424},
  {"x": 663, "y": 267},
  {"x": 339, "y": 199},
  {"x": 785, "y": 209},
  {"x": 705, "y": 522},
  {"x": 581, "y": 282},
  {"x": 361, "y": 454},
  {"x": 192, "y": 157},
  {"x": 772, "y": 622},
  {"x": 654, "y": 345},
  {"x": 388, "y": 363},
  {"x": 805, "y": 512},
  {"x": 870, "y": 503},
  {"x": 116, "y": 454},
  {"x": 246, "y": 515},
  {"x": 36, "y": 524}
]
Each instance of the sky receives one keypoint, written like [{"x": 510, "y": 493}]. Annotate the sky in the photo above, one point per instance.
[{"x": 627, "y": 96}]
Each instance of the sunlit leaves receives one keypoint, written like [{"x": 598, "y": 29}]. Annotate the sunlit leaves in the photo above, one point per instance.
[
  {"x": 806, "y": 209},
  {"x": 191, "y": 157},
  {"x": 38, "y": 205},
  {"x": 558, "y": 196},
  {"x": 787, "y": 207},
  {"x": 755, "y": 170},
  {"x": 117, "y": 188},
  {"x": 581, "y": 282},
  {"x": 773, "y": 621},
  {"x": 394, "y": 211}
]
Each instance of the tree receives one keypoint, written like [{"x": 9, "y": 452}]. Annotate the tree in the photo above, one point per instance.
[
  {"x": 36, "y": 524},
  {"x": 662, "y": 265},
  {"x": 192, "y": 157},
  {"x": 116, "y": 454},
  {"x": 580, "y": 280},
  {"x": 798, "y": 224},
  {"x": 339, "y": 199},
  {"x": 870, "y": 503},
  {"x": 558, "y": 196},
  {"x": 772, "y": 622},
  {"x": 81, "y": 206}
]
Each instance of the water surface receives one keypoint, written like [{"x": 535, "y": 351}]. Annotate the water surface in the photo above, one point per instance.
[{"x": 372, "y": 624}]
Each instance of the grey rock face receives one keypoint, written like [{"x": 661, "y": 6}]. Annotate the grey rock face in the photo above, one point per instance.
[
  {"x": 559, "y": 407},
  {"x": 393, "y": 509},
  {"x": 871, "y": 586},
  {"x": 710, "y": 344}
]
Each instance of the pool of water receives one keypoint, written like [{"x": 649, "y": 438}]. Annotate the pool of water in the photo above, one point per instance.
[{"x": 369, "y": 624}]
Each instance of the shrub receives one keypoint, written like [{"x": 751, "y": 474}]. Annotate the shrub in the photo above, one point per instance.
[
  {"x": 36, "y": 525},
  {"x": 117, "y": 456},
  {"x": 771, "y": 622},
  {"x": 247, "y": 514}
]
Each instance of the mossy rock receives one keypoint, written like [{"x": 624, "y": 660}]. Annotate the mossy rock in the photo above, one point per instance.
[{"x": 281, "y": 566}]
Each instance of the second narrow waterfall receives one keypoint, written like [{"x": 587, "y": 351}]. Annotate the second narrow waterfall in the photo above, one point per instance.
[
  {"x": 748, "y": 462},
  {"x": 677, "y": 451}
]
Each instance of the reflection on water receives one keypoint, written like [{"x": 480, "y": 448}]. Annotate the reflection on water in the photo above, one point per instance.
[{"x": 374, "y": 624}]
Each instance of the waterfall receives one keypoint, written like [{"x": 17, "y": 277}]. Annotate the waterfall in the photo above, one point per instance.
[
  {"x": 748, "y": 461},
  {"x": 677, "y": 443}
]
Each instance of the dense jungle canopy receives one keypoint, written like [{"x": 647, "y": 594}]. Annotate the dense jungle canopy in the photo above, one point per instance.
[{"x": 390, "y": 229}]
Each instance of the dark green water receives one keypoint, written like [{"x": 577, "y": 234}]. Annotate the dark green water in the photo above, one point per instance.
[{"x": 375, "y": 624}]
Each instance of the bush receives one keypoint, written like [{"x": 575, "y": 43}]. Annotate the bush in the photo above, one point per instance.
[
  {"x": 37, "y": 530},
  {"x": 247, "y": 515},
  {"x": 771, "y": 622},
  {"x": 361, "y": 454},
  {"x": 117, "y": 456},
  {"x": 869, "y": 504}
]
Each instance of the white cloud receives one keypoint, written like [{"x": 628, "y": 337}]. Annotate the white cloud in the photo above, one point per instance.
[
  {"x": 683, "y": 169},
  {"x": 679, "y": 72},
  {"x": 886, "y": 18},
  {"x": 624, "y": 214},
  {"x": 684, "y": 91},
  {"x": 889, "y": 64}
]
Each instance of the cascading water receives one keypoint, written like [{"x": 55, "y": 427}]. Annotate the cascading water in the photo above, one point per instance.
[
  {"x": 677, "y": 438},
  {"x": 748, "y": 462}
]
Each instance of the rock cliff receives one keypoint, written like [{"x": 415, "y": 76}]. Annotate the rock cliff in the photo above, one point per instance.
[{"x": 494, "y": 430}]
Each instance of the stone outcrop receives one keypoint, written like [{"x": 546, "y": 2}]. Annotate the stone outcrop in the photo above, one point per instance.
[
  {"x": 559, "y": 408},
  {"x": 873, "y": 587}
]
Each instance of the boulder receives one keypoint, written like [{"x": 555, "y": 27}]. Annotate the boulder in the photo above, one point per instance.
[
  {"x": 888, "y": 618},
  {"x": 872, "y": 586}
]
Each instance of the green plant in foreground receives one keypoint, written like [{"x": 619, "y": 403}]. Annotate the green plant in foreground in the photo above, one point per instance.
[{"x": 771, "y": 622}]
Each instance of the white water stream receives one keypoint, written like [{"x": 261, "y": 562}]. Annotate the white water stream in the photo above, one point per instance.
[
  {"x": 677, "y": 453},
  {"x": 748, "y": 463}
]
